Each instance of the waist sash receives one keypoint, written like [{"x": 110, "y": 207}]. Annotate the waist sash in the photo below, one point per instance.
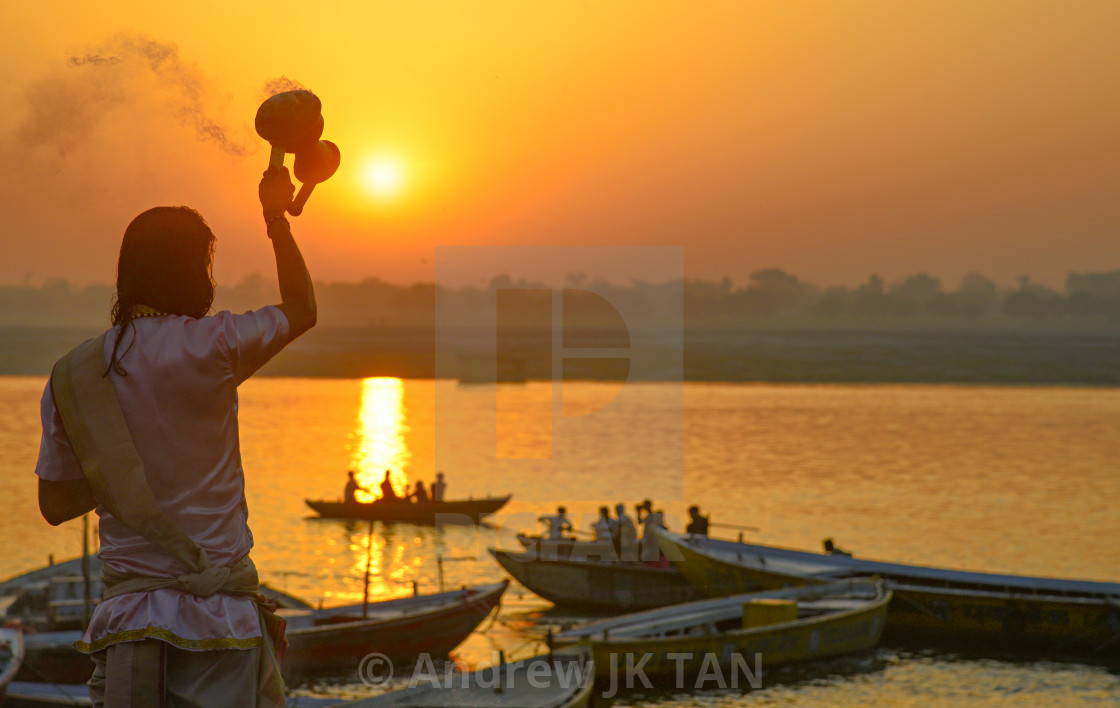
[{"x": 92, "y": 417}]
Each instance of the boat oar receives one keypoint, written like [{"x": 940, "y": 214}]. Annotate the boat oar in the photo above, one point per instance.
[{"x": 734, "y": 526}]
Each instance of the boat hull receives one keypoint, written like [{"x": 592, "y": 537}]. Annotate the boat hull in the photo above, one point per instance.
[
  {"x": 11, "y": 656},
  {"x": 51, "y": 657},
  {"x": 568, "y": 548},
  {"x": 822, "y": 567},
  {"x": 331, "y": 643},
  {"x": 466, "y": 511},
  {"x": 337, "y": 648},
  {"x": 1018, "y": 621},
  {"x": 598, "y": 586},
  {"x": 969, "y": 610},
  {"x": 718, "y": 577}
]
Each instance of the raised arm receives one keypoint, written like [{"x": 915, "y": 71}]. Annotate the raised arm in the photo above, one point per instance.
[{"x": 297, "y": 294}]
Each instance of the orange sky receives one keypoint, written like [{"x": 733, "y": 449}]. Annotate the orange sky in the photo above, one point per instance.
[{"x": 834, "y": 140}]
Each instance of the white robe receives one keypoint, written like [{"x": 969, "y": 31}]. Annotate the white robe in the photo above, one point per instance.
[{"x": 179, "y": 399}]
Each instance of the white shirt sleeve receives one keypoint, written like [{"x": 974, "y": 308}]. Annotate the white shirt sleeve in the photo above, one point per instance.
[
  {"x": 57, "y": 461},
  {"x": 252, "y": 338}
]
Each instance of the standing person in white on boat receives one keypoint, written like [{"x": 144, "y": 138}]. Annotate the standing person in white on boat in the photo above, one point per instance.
[
  {"x": 651, "y": 521},
  {"x": 557, "y": 524},
  {"x": 626, "y": 538},
  {"x": 141, "y": 424}
]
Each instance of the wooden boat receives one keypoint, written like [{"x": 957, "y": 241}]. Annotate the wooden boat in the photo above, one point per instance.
[
  {"x": 930, "y": 604},
  {"x": 461, "y": 511},
  {"x": 741, "y": 632},
  {"x": 11, "y": 656},
  {"x": 24, "y": 694},
  {"x": 51, "y": 657},
  {"x": 560, "y": 679},
  {"x": 41, "y": 576},
  {"x": 1036, "y": 622},
  {"x": 330, "y": 641},
  {"x": 333, "y": 640},
  {"x": 751, "y": 565},
  {"x": 599, "y": 586}
]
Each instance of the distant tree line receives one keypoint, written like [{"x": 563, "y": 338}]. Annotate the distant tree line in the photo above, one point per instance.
[{"x": 771, "y": 297}]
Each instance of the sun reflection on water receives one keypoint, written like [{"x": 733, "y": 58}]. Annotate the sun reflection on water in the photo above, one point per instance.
[
  {"x": 391, "y": 569},
  {"x": 380, "y": 435},
  {"x": 380, "y": 445}
]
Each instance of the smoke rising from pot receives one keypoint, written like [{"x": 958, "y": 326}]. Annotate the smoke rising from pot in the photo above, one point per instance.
[{"x": 280, "y": 85}]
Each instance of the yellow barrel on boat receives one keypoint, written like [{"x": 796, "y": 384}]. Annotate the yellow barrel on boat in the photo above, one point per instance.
[{"x": 766, "y": 611}]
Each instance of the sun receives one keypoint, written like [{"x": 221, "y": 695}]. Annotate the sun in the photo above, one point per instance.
[{"x": 383, "y": 178}]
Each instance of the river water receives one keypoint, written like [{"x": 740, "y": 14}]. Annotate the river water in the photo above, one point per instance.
[{"x": 1004, "y": 479}]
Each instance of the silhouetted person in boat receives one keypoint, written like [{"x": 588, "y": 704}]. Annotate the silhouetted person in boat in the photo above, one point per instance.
[
  {"x": 651, "y": 522},
  {"x": 626, "y": 539},
  {"x": 557, "y": 524},
  {"x": 388, "y": 494},
  {"x": 153, "y": 403},
  {"x": 438, "y": 488},
  {"x": 604, "y": 526},
  {"x": 831, "y": 549},
  {"x": 352, "y": 489},
  {"x": 420, "y": 494},
  {"x": 698, "y": 524},
  {"x": 646, "y": 506}
]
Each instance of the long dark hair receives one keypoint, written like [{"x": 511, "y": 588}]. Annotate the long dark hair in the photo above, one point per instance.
[{"x": 166, "y": 263}]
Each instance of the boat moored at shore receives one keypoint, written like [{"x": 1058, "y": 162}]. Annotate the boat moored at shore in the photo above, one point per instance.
[
  {"x": 599, "y": 586},
  {"x": 771, "y": 628},
  {"x": 966, "y": 608}
]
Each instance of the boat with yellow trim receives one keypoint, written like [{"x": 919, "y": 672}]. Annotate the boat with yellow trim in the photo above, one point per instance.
[{"x": 739, "y": 633}]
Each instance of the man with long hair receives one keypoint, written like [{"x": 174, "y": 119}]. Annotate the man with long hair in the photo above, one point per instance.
[{"x": 141, "y": 425}]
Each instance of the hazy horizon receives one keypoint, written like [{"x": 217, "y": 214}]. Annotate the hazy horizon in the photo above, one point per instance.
[
  {"x": 560, "y": 278},
  {"x": 1058, "y": 282}
]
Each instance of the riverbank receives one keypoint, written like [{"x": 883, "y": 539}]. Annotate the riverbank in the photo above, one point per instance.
[{"x": 1042, "y": 356}]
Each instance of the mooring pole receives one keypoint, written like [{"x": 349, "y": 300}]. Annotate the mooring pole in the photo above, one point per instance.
[
  {"x": 87, "y": 600},
  {"x": 369, "y": 562}
]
